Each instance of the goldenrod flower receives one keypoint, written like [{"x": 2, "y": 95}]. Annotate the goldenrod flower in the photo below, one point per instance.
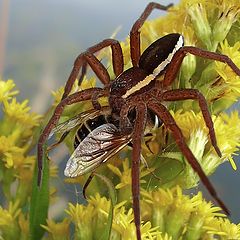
[
  {"x": 59, "y": 230},
  {"x": 9, "y": 216},
  {"x": 9, "y": 151},
  {"x": 223, "y": 228},
  {"x": 19, "y": 112},
  {"x": 124, "y": 227},
  {"x": 228, "y": 13},
  {"x": 125, "y": 174},
  {"x": 182, "y": 217},
  {"x": 8, "y": 223},
  {"x": 196, "y": 133},
  {"x": 124, "y": 186},
  {"x": 82, "y": 217},
  {"x": 200, "y": 23},
  {"x": 16, "y": 166},
  {"x": 227, "y": 130},
  {"x": 229, "y": 84},
  {"x": 6, "y": 90},
  {"x": 24, "y": 226}
]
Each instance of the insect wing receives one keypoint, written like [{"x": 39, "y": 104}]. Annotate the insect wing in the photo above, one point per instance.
[
  {"x": 100, "y": 145},
  {"x": 78, "y": 120}
]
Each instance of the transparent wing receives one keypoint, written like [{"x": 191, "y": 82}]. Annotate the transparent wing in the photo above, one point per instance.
[
  {"x": 100, "y": 144},
  {"x": 78, "y": 120}
]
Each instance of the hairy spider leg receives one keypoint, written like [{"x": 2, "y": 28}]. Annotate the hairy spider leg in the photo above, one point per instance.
[
  {"x": 117, "y": 56},
  {"x": 170, "y": 123},
  {"x": 177, "y": 59},
  {"x": 184, "y": 94},
  {"x": 138, "y": 132},
  {"x": 89, "y": 58},
  {"x": 71, "y": 99},
  {"x": 135, "y": 33}
]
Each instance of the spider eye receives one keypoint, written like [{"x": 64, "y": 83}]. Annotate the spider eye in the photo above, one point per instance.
[{"x": 159, "y": 54}]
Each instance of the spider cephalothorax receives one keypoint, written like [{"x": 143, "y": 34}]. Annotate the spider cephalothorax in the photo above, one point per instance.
[
  {"x": 141, "y": 79},
  {"x": 132, "y": 94}
]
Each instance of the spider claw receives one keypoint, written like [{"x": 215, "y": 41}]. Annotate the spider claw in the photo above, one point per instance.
[
  {"x": 218, "y": 151},
  {"x": 223, "y": 207}
]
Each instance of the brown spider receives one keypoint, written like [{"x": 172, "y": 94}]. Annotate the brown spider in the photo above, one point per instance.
[{"x": 136, "y": 89}]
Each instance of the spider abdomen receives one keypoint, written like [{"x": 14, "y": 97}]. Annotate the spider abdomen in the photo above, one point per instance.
[{"x": 159, "y": 54}]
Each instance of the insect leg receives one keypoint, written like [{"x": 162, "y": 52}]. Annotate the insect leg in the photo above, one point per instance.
[
  {"x": 170, "y": 123},
  {"x": 183, "y": 94},
  {"x": 87, "y": 184},
  {"x": 135, "y": 33},
  {"x": 58, "y": 142}
]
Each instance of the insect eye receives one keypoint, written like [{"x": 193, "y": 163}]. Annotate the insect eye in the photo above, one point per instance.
[{"x": 93, "y": 123}]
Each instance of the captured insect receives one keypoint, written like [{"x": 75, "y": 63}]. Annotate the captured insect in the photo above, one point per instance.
[
  {"x": 97, "y": 138},
  {"x": 136, "y": 90}
]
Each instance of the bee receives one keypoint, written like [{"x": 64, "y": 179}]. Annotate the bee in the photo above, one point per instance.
[{"x": 98, "y": 138}]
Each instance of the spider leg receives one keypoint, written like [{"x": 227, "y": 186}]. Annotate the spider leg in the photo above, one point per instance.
[
  {"x": 170, "y": 123},
  {"x": 71, "y": 99},
  {"x": 135, "y": 34},
  {"x": 138, "y": 131},
  {"x": 95, "y": 102},
  {"x": 183, "y": 94},
  {"x": 88, "y": 57},
  {"x": 177, "y": 59}
]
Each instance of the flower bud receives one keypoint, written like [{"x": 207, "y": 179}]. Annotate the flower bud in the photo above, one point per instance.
[{"x": 200, "y": 23}]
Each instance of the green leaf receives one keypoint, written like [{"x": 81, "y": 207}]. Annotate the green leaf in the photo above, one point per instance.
[
  {"x": 113, "y": 197},
  {"x": 167, "y": 167},
  {"x": 39, "y": 200}
]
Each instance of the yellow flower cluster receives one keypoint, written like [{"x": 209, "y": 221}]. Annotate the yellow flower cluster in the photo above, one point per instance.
[
  {"x": 17, "y": 126},
  {"x": 169, "y": 215},
  {"x": 6, "y": 90},
  {"x": 227, "y": 130}
]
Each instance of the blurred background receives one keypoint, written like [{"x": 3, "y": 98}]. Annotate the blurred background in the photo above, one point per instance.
[{"x": 39, "y": 41}]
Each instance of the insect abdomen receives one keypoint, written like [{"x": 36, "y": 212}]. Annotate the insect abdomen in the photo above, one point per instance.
[{"x": 87, "y": 127}]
